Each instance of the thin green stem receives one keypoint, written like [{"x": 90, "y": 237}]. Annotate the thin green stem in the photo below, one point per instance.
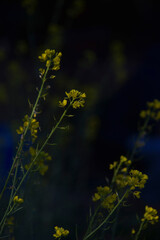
[
  {"x": 28, "y": 170},
  {"x": 12, "y": 195},
  {"x": 24, "y": 134},
  {"x": 115, "y": 173},
  {"x": 106, "y": 219},
  {"x": 42, "y": 147},
  {"x": 139, "y": 231},
  {"x": 92, "y": 220},
  {"x": 115, "y": 224}
]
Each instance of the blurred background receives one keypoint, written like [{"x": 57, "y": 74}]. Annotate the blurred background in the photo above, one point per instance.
[{"x": 111, "y": 52}]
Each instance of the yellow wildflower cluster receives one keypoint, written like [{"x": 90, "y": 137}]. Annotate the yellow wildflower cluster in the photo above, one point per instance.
[
  {"x": 75, "y": 98},
  {"x": 122, "y": 165},
  {"x": 105, "y": 195},
  {"x": 52, "y": 60},
  {"x": 153, "y": 110},
  {"x": 60, "y": 232},
  {"x": 135, "y": 179},
  {"x": 150, "y": 215},
  {"x": 113, "y": 165},
  {"x": 18, "y": 200},
  {"x": 34, "y": 125},
  {"x": 122, "y": 180},
  {"x": 40, "y": 161}
]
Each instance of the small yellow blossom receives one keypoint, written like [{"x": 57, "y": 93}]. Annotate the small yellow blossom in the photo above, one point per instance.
[
  {"x": 40, "y": 163},
  {"x": 153, "y": 110},
  {"x": 124, "y": 170},
  {"x": 34, "y": 125},
  {"x": 150, "y": 215},
  {"x": 123, "y": 159},
  {"x": 78, "y": 104},
  {"x": 43, "y": 57},
  {"x": 137, "y": 194},
  {"x": 76, "y": 98},
  {"x": 137, "y": 179},
  {"x": 108, "y": 202},
  {"x": 52, "y": 60},
  {"x": 113, "y": 165},
  {"x": 133, "y": 231},
  {"x": 105, "y": 195},
  {"x": 143, "y": 114},
  {"x": 63, "y": 103},
  {"x": 18, "y": 200},
  {"x": 122, "y": 180},
  {"x": 128, "y": 162},
  {"x": 60, "y": 232},
  {"x": 96, "y": 197},
  {"x": 20, "y": 130}
]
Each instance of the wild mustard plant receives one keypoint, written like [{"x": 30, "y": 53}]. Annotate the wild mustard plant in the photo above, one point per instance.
[
  {"x": 126, "y": 182},
  {"x": 30, "y": 128},
  {"x": 152, "y": 111},
  {"x": 148, "y": 116},
  {"x": 60, "y": 232},
  {"x": 150, "y": 217}
]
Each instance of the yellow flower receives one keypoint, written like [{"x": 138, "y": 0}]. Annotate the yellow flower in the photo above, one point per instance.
[
  {"x": 137, "y": 179},
  {"x": 76, "y": 97},
  {"x": 40, "y": 163},
  {"x": 60, "y": 232},
  {"x": 112, "y": 165},
  {"x": 20, "y": 130},
  {"x": 43, "y": 57},
  {"x": 105, "y": 195},
  {"x": 96, "y": 197},
  {"x": 63, "y": 103},
  {"x": 78, "y": 104},
  {"x": 15, "y": 199},
  {"x": 150, "y": 215},
  {"x": 52, "y": 60},
  {"x": 18, "y": 200},
  {"x": 124, "y": 170},
  {"x": 123, "y": 159},
  {"x": 133, "y": 231},
  {"x": 122, "y": 180},
  {"x": 137, "y": 194},
  {"x": 108, "y": 202},
  {"x": 83, "y": 95},
  {"x": 152, "y": 110},
  {"x": 128, "y": 162},
  {"x": 143, "y": 114},
  {"x": 34, "y": 125},
  {"x": 73, "y": 94}
]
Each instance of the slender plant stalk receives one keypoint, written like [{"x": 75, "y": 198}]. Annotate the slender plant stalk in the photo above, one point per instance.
[
  {"x": 131, "y": 157},
  {"x": 40, "y": 150},
  {"x": 24, "y": 134},
  {"x": 139, "y": 231},
  {"x": 92, "y": 220},
  {"x": 106, "y": 219},
  {"x": 2, "y": 223},
  {"x": 115, "y": 173}
]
